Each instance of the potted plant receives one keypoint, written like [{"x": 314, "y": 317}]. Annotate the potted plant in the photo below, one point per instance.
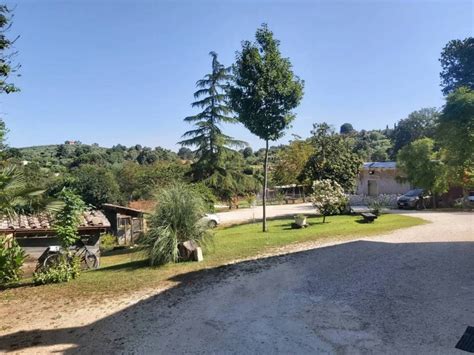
[{"x": 300, "y": 220}]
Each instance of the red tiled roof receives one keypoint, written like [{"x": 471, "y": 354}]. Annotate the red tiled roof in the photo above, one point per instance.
[{"x": 89, "y": 219}]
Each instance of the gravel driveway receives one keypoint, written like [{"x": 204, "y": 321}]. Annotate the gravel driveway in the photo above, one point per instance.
[
  {"x": 410, "y": 292},
  {"x": 248, "y": 214}
]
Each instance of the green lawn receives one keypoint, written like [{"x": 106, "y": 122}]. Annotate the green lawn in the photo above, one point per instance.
[{"x": 125, "y": 272}]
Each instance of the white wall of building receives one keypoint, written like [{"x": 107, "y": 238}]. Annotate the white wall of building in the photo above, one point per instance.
[{"x": 375, "y": 182}]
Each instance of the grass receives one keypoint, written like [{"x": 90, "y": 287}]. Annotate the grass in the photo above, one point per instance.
[{"x": 125, "y": 271}]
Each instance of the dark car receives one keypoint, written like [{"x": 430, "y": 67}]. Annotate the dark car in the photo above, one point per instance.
[{"x": 412, "y": 199}]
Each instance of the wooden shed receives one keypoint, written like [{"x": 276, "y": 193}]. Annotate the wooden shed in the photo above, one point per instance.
[{"x": 128, "y": 224}]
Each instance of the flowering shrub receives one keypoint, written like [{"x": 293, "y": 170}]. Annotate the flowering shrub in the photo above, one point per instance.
[{"x": 328, "y": 197}]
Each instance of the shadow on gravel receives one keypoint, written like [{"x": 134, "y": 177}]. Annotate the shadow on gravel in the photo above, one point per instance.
[{"x": 445, "y": 268}]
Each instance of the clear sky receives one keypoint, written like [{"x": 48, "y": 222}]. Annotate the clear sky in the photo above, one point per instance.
[{"x": 112, "y": 71}]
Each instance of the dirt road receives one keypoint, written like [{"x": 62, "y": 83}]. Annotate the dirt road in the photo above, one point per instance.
[{"x": 411, "y": 291}]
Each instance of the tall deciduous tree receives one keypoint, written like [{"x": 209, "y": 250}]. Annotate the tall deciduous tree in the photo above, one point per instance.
[
  {"x": 290, "y": 162},
  {"x": 96, "y": 185},
  {"x": 422, "y": 167},
  {"x": 213, "y": 147},
  {"x": 418, "y": 124},
  {"x": 455, "y": 134},
  {"x": 333, "y": 158},
  {"x": 265, "y": 92},
  {"x": 457, "y": 62}
]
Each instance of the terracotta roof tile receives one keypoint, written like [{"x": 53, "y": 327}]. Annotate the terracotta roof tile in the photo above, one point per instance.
[{"x": 94, "y": 219}]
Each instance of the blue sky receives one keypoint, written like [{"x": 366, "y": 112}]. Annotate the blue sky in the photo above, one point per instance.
[{"x": 111, "y": 71}]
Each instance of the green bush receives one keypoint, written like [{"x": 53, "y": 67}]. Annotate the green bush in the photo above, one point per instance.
[
  {"x": 279, "y": 197},
  {"x": 64, "y": 271},
  {"x": 177, "y": 218},
  {"x": 12, "y": 257},
  {"x": 108, "y": 242},
  {"x": 377, "y": 204},
  {"x": 68, "y": 219},
  {"x": 206, "y": 194}
]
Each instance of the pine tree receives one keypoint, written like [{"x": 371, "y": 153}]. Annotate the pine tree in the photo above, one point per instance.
[{"x": 213, "y": 147}]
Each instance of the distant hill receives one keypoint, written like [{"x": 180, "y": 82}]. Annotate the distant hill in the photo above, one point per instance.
[
  {"x": 49, "y": 152},
  {"x": 75, "y": 154}
]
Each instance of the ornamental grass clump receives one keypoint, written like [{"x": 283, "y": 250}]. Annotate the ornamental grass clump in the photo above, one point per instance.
[
  {"x": 328, "y": 197},
  {"x": 177, "y": 218}
]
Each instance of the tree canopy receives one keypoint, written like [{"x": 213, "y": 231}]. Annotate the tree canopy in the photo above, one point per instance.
[
  {"x": 346, "y": 128},
  {"x": 455, "y": 134},
  {"x": 290, "y": 162},
  {"x": 421, "y": 165},
  {"x": 265, "y": 90},
  {"x": 457, "y": 63},
  {"x": 333, "y": 158},
  {"x": 372, "y": 145},
  {"x": 418, "y": 124}
]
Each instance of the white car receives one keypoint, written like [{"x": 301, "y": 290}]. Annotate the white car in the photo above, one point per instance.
[{"x": 211, "y": 219}]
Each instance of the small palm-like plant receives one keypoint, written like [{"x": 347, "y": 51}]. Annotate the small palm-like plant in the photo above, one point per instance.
[
  {"x": 177, "y": 218},
  {"x": 16, "y": 197}
]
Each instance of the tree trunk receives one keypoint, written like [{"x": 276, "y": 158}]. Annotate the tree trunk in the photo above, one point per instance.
[
  {"x": 265, "y": 178},
  {"x": 434, "y": 201},
  {"x": 324, "y": 218},
  {"x": 465, "y": 198}
]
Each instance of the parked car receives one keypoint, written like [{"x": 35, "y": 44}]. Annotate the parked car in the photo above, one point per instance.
[
  {"x": 470, "y": 198},
  {"x": 413, "y": 199},
  {"x": 211, "y": 219},
  {"x": 467, "y": 201}
]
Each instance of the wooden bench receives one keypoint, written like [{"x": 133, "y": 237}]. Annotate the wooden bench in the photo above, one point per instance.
[
  {"x": 368, "y": 217},
  {"x": 290, "y": 198}
]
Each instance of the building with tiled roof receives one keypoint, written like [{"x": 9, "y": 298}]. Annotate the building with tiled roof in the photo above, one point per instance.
[
  {"x": 35, "y": 233},
  {"x": 21, "y": 224}
]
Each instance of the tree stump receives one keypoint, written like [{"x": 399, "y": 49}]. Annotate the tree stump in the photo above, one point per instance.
[{"x": 190, "y": 251}]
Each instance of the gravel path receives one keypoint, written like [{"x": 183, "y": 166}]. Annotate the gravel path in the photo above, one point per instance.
[
  {"x": 410, "y": 292},
  {"x": 248, "y": 214}
]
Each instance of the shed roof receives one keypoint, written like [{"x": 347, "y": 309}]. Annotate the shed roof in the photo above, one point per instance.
[
  {"x": 380, "y": 165},
  {"x": 89, "y": 220},
  {"x": 123, "y": 209}
]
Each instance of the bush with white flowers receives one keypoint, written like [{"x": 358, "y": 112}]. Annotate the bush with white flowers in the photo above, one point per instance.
[{"x": 328, "y": 197}]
